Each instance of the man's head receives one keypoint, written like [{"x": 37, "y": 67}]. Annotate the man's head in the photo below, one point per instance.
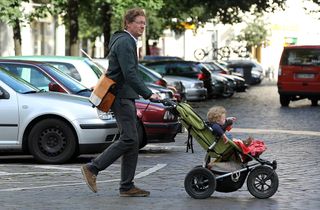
[
  {"x": 217, "y": 114},
  {"x": 135, "y": 21}
]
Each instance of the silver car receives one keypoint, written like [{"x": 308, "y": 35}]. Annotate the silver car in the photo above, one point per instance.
[
  {"x": 53, "y": 127},
  {"x": 194, "y": 89}
]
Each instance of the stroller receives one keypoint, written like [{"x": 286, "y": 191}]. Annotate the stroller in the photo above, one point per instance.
[{"x": 225, "y": 167}]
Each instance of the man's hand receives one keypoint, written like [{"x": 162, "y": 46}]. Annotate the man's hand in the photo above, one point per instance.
[{"x": 155, "y": 96}]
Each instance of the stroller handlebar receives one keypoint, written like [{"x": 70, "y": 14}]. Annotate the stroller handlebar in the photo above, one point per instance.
[{"x": 166, "y": 102}]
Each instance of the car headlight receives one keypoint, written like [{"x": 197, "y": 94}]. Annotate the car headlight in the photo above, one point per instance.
[{"x": 105, "y": 115}]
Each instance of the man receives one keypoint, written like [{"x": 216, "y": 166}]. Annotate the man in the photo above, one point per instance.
[{"x": 123, "y": 67}]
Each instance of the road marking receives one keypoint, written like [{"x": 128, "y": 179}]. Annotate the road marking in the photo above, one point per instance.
[
  {"x": 58, "y": 168},
  {"x": 266, "y": 131},
  {"x": 138, "y": 176}
]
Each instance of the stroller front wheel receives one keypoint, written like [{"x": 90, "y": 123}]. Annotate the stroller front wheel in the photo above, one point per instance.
[
  {"x": 263, "y": 182},
  {"x": 200, "y": 183}
]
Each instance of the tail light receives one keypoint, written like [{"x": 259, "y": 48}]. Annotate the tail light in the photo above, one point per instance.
[
  {"x": 201, "y": 76},
  {"x": 161, "y": 82}
]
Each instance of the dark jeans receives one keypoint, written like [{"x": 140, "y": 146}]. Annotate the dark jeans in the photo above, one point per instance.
[{"x": 126, "y": 146}]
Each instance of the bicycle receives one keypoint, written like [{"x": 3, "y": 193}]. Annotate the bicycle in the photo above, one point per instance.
[{"x": 223, "y": 52}]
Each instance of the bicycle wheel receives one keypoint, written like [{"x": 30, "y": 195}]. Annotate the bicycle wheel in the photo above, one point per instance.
[{"x": 199, "y": 54}]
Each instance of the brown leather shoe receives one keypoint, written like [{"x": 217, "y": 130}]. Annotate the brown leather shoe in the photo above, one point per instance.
[
  {"x": 135, "y": 192},
  {"x": 90, "y": 178}
]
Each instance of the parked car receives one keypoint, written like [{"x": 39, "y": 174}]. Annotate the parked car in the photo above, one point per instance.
[
  {"x": 47, "y": 125},
  {"x": 193, "y": 88},
  {"x": 250, "y": 70},
  {"x": 239, "y": 85},
  {"x": 151, "y": 77},
  {"x": 44, "y": 76},
  {"x": 299, "y": 74},
  {"x": 184, "y": 69},
  {"x": 47, "y": 77},
  {"x": 160, "y": 57},
  {"x": 80, "y": 68}
]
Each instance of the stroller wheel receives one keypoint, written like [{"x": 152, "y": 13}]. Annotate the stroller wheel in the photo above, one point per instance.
[
  {"x": 262, "y": 182},
  {"x": 200, "y": 183}
]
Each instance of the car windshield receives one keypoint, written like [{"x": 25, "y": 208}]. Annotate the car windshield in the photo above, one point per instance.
[
  {"x": 301, "y": 57},
  {"x": 94, "y": 67},
  {"x": 16, "y": 83},
  {"x": 69, "y": 82}
]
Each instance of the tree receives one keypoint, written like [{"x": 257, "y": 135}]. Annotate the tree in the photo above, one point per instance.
[
  {"x": 255, "y": 35},
  {"x": 10, "y": 13}
]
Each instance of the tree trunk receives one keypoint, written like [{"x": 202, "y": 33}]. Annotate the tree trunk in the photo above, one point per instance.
[
  {"x": 106, "y": 12},
  {"x": 17, "y": 37},
  {"x": 73, "y": 9}
]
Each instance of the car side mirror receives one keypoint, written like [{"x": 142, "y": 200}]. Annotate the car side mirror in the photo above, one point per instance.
[
  {"x": 54, "y": 87},
  {"x": 4, "y": 94}
]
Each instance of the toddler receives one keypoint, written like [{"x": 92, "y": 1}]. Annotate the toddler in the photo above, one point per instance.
[{"x": 219, "y": 124}]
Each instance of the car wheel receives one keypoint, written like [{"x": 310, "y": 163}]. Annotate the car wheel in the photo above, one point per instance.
[
  {"x": 200, "y": 183},
  {"x": 228, "y": 93},
  {"x": 314, "y": 102},
  {"x": 263, "y": 182},
  {"x": 141, "y": 135},
  {"x": 284, "y": 100},
  {"x": 52, "y": 141}
]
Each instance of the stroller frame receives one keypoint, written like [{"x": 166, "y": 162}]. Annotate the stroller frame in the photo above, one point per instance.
[{"x": 203, "y": 180}]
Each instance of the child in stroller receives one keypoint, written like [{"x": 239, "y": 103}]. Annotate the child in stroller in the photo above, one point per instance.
[
  {"x": 203, "y": 180},
  {"x": 218, "y": 122}
]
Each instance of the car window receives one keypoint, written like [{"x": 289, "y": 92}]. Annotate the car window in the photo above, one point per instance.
[
  {"x": 145, "y": 77},
  {"x": 69, "y": 82},
  {"x": 180, "y": 69},
  {"x": 67, "y": 68},
  {"x": 160, "y": 68},
  {"x": 301, "y": 57},
  {"x": 94, "y": 67},
  {"x": 30, "y": 74},
  {"x": 16, "y": 83}
]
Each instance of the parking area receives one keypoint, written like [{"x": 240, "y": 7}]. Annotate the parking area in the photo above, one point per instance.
[{"x": 291, "y": 135}]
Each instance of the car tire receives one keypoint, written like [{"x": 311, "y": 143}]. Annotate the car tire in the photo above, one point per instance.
[
  {"x": 284, "y": 100},
  {"x": 314, "y": 102},
  {"x": 52, "y": 141},
  {"x": 141, "y": 135},
  {"x": 262, "y": 182}
]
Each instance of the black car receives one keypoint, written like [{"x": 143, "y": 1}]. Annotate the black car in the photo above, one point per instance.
[
  {"x": 252, "y": 71},
  {"x": 239, "y": 82},
  {"x": 153, "y": 78},
  {"x": 183, "y": 68}
]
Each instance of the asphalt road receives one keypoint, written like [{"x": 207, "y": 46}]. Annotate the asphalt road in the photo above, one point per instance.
[{"x": 292, "y": 136}]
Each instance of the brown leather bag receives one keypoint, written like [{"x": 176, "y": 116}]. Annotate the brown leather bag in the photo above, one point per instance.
[{"x": 102, "y": 96}]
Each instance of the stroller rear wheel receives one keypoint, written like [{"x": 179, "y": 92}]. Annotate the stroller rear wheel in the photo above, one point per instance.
[
  {"x": 200, "y": 183},
  {"x": 262, "y": 182}
]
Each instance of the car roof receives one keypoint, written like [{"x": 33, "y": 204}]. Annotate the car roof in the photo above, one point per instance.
[
  {"x": 303, "y": 46},
  {"x": 41, "y": 57},
  {"x": 169, "y": 61},
  {"x": 20, "y": 61}
]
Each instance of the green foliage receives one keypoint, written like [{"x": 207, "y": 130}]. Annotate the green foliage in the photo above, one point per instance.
[
  {"x": 10, "y": 11},
  {"x": 255, "y": 33}
]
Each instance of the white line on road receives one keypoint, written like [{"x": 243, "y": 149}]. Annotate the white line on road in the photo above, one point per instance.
[
  {"x": 138, "y": 176},
  {"x": 266, "y": 131}
]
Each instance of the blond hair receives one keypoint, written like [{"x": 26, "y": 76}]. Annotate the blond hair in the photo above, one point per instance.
[
  {"x": 215, "y": 113},
  {"x": 131, "y": 15}
]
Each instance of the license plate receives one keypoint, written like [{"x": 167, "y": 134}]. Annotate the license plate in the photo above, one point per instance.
[{"x": 305, "y": 76}]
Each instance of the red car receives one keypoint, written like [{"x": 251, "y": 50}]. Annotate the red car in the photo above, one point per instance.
[
  {"x": 156, "y": 123},
  {"x": 299, "y": 74}
]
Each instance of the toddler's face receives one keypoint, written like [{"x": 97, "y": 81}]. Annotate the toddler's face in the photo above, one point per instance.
[{"x": 222, "y": 119}]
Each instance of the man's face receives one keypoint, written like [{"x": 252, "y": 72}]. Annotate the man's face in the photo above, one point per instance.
[{"x": 137, "y": 27}]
